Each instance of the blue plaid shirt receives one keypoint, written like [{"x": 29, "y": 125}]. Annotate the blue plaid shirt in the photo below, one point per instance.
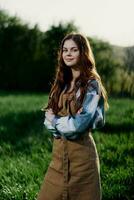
[{"x": 92, "y": 115}]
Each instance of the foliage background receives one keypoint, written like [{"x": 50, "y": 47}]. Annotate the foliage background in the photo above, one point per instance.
[{"x": 28, "y": 58}]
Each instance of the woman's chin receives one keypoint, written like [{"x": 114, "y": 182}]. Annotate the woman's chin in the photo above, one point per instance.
[{"x": 71, "y": 65}]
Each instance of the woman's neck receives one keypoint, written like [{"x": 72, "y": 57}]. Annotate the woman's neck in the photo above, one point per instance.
[{"x": 75, "y": 74}]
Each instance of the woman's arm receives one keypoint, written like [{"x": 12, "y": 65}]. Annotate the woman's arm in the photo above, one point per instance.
[
  {"x": 49, "y": 116},
  {"x": 48, "y": 125},
  {"x": 92, "y": 115}
]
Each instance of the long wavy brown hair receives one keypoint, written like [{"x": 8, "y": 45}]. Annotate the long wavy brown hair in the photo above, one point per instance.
[{"x": 64, "y": 76}]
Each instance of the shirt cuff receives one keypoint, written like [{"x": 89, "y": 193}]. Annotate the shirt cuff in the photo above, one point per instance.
[{"x": 56, "y": 135}]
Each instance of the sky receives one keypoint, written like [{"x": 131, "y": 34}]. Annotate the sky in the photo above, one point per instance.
[{"x": 109, "y": 20}]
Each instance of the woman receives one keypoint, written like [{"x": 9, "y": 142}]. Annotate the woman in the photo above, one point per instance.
[{"x": 77, "y": 104}]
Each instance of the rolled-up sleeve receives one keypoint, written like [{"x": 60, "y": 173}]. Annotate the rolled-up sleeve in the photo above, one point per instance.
[
  {"x": 51, "y": 128},
  {"x": 92, "y": 115}
]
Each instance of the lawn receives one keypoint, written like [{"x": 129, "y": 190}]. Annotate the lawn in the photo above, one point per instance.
[{"x": 25, "y": 147}]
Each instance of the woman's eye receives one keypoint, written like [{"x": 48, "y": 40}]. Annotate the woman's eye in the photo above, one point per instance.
[
  {"x": 75, "y": 49},
  {"x": 72, "y": 50}
]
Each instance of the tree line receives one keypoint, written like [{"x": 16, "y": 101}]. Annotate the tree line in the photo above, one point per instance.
[{"x": 28, "y": 58}]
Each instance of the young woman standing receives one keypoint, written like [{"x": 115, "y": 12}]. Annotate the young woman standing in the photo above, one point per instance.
[{"x": 77, "y": 104}]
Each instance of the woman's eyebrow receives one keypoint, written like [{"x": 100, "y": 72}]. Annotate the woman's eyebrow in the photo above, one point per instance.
[{"x": 70, "y": 48}]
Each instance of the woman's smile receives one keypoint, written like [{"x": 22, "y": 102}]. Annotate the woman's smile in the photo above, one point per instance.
[{"x": 69, "y": 59}]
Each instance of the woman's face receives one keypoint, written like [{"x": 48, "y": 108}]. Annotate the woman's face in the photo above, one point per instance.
[{"x": 70, "y": 53}]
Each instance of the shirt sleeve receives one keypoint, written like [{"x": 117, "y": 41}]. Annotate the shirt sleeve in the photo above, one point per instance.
[
  {"x": 50, "y": 128},
  {"x": 92, "y": 115}
]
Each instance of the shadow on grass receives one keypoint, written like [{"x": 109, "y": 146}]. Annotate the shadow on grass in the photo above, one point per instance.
[
  {"x": 120, "y": 128},
  {"x": 17, "y": 128},
  {"x": 23, "y": 129}
]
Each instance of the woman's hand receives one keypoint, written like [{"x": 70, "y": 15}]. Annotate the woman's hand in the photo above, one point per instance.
[
  {"x": 80, "y": 110},
  {"x": 49, "y": 115}
]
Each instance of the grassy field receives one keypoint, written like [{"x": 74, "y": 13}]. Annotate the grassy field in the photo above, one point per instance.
[{"x": 25, "y": 147}]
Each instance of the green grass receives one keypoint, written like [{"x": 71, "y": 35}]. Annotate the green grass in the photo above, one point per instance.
[{"x": 25, "y": 147}]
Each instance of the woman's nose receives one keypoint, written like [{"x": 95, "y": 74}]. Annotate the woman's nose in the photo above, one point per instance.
[{"x": 68, "y": 52}]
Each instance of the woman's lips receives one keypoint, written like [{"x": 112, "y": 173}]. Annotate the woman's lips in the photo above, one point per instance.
[{"x": 69, "y": 59}]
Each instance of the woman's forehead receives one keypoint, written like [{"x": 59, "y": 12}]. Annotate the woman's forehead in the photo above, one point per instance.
[{"x": 69, "y": 44}]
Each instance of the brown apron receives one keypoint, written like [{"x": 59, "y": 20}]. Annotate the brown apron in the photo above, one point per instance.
[{"x": 74, "y": 171}]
